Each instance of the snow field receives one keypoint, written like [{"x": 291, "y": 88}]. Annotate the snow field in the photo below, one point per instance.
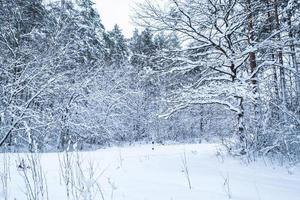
[{"x": 171, "y": 172}]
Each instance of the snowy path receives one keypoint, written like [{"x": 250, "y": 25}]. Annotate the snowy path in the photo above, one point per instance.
[{"x": 140, "y": 173}]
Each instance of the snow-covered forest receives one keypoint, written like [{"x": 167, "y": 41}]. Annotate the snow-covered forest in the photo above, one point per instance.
[
  {"x": 225, "y": 72},
  {"x": 198, "y": 69}
]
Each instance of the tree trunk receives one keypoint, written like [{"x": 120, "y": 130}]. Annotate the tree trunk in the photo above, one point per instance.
[
  {"x": 280, "y": 59},
  {"x": 274, "y": 109},
  {"x": 253, "y": 67},
  {"x": 241, "y": 126},
  {"x": 252, "y": 56},
  {"x": 294, "y": 58}
]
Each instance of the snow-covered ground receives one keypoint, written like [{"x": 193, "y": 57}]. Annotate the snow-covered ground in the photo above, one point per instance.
[{"x": 140, "y": 173}]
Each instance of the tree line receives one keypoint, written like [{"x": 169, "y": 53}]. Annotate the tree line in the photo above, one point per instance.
[
  {"x": 246, "y": 54},
  {"x": 198, "y": 69},
  {"x": 65, "y": 80}
]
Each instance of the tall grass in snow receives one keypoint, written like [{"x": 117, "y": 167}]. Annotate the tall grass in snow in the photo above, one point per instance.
[
  {"x": 79, "y": 177},
  {"x": 31, "y": 171},
  {"x": 5, "y": 175},
  {"x": 185, "y": 169}
]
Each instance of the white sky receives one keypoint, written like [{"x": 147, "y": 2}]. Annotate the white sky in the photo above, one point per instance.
[{"x": 116, "y": 12}]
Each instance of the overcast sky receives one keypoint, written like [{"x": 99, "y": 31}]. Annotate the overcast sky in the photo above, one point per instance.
[{"x": 116, "y": 12}]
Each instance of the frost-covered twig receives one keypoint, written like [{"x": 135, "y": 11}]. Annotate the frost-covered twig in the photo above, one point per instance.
[
  {"x": 113, "y": 188},
  {"x": 81, "y": 181},
  {"x": 30, "y": 169},
  {"x": 5, "y": 175},
  {"x": 65, "y": 164},
  {"x": 186, "y": 170},
  {"x": 226, "y": 185}
]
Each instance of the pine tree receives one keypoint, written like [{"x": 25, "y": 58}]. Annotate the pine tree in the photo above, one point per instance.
[{"x": 116, "y": 46}]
